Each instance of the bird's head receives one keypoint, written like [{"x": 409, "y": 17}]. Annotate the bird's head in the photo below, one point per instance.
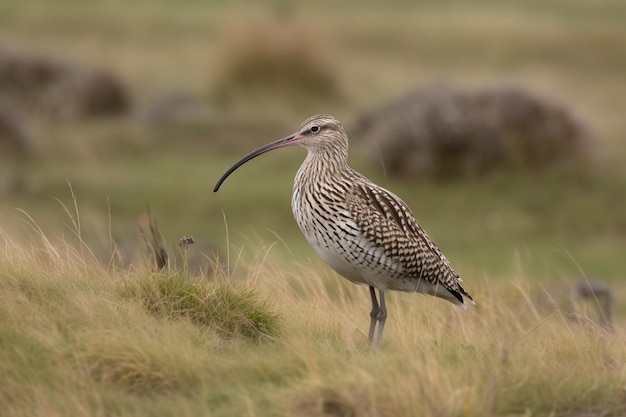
[{"x": 319, "y": 134}]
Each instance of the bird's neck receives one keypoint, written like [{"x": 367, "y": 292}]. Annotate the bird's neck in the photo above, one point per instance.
[{"x": 320, "y": 165}]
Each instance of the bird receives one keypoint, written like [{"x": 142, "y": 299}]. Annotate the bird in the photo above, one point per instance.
[{"x": 364, "y": 232}]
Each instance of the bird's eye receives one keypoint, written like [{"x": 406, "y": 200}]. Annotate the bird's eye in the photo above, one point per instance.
[{"x": 314, "y": 129}]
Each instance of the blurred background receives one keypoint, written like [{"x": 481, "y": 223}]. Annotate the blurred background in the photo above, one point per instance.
[{"x": 500, "y": 123}]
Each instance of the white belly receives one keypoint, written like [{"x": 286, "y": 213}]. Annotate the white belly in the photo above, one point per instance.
[
  {"x": 334, "y": 257},
  {"x": 338, "y": 241},
  {"x": 349, "y": 254}
]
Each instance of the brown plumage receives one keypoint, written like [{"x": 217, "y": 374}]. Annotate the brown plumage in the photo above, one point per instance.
[{"x": 363, "y": 231}]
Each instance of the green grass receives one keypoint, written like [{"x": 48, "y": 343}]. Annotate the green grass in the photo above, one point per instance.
[
  {"x": 556, "y": 225},
  {"x": 230, "y": 310},
  {"x": 282, "y": 335}
]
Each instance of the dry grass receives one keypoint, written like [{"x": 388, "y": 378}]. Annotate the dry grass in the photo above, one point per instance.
[
  {"x": 82, "y": 342},
  {"x": 510, "y": 355}
]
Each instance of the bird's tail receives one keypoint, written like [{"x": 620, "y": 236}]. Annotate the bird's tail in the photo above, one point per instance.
[{"x": 457, "y": 296}]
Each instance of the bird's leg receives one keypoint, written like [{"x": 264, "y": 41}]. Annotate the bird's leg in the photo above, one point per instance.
[
  {"x": 381, "y": 317},
  {"x": 373, "y": 314}
]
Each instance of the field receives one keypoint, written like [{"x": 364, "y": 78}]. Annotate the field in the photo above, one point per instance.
[{"x": 276, "y": 332}]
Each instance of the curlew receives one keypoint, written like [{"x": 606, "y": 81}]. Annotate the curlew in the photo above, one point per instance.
[{"x": 364, "y": 232}]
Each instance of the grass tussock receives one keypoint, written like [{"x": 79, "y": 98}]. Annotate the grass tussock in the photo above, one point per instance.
[
  {"x": 275, "y": 59},
  {"x": 232, "y": 310},
  {"x": 445, "y": 132},
  {"x": 138, "y": 363},
  {"x": 60, "y": 88}
]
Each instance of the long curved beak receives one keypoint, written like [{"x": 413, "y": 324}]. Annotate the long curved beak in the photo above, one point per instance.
[{"x": 286, "y": 141}]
